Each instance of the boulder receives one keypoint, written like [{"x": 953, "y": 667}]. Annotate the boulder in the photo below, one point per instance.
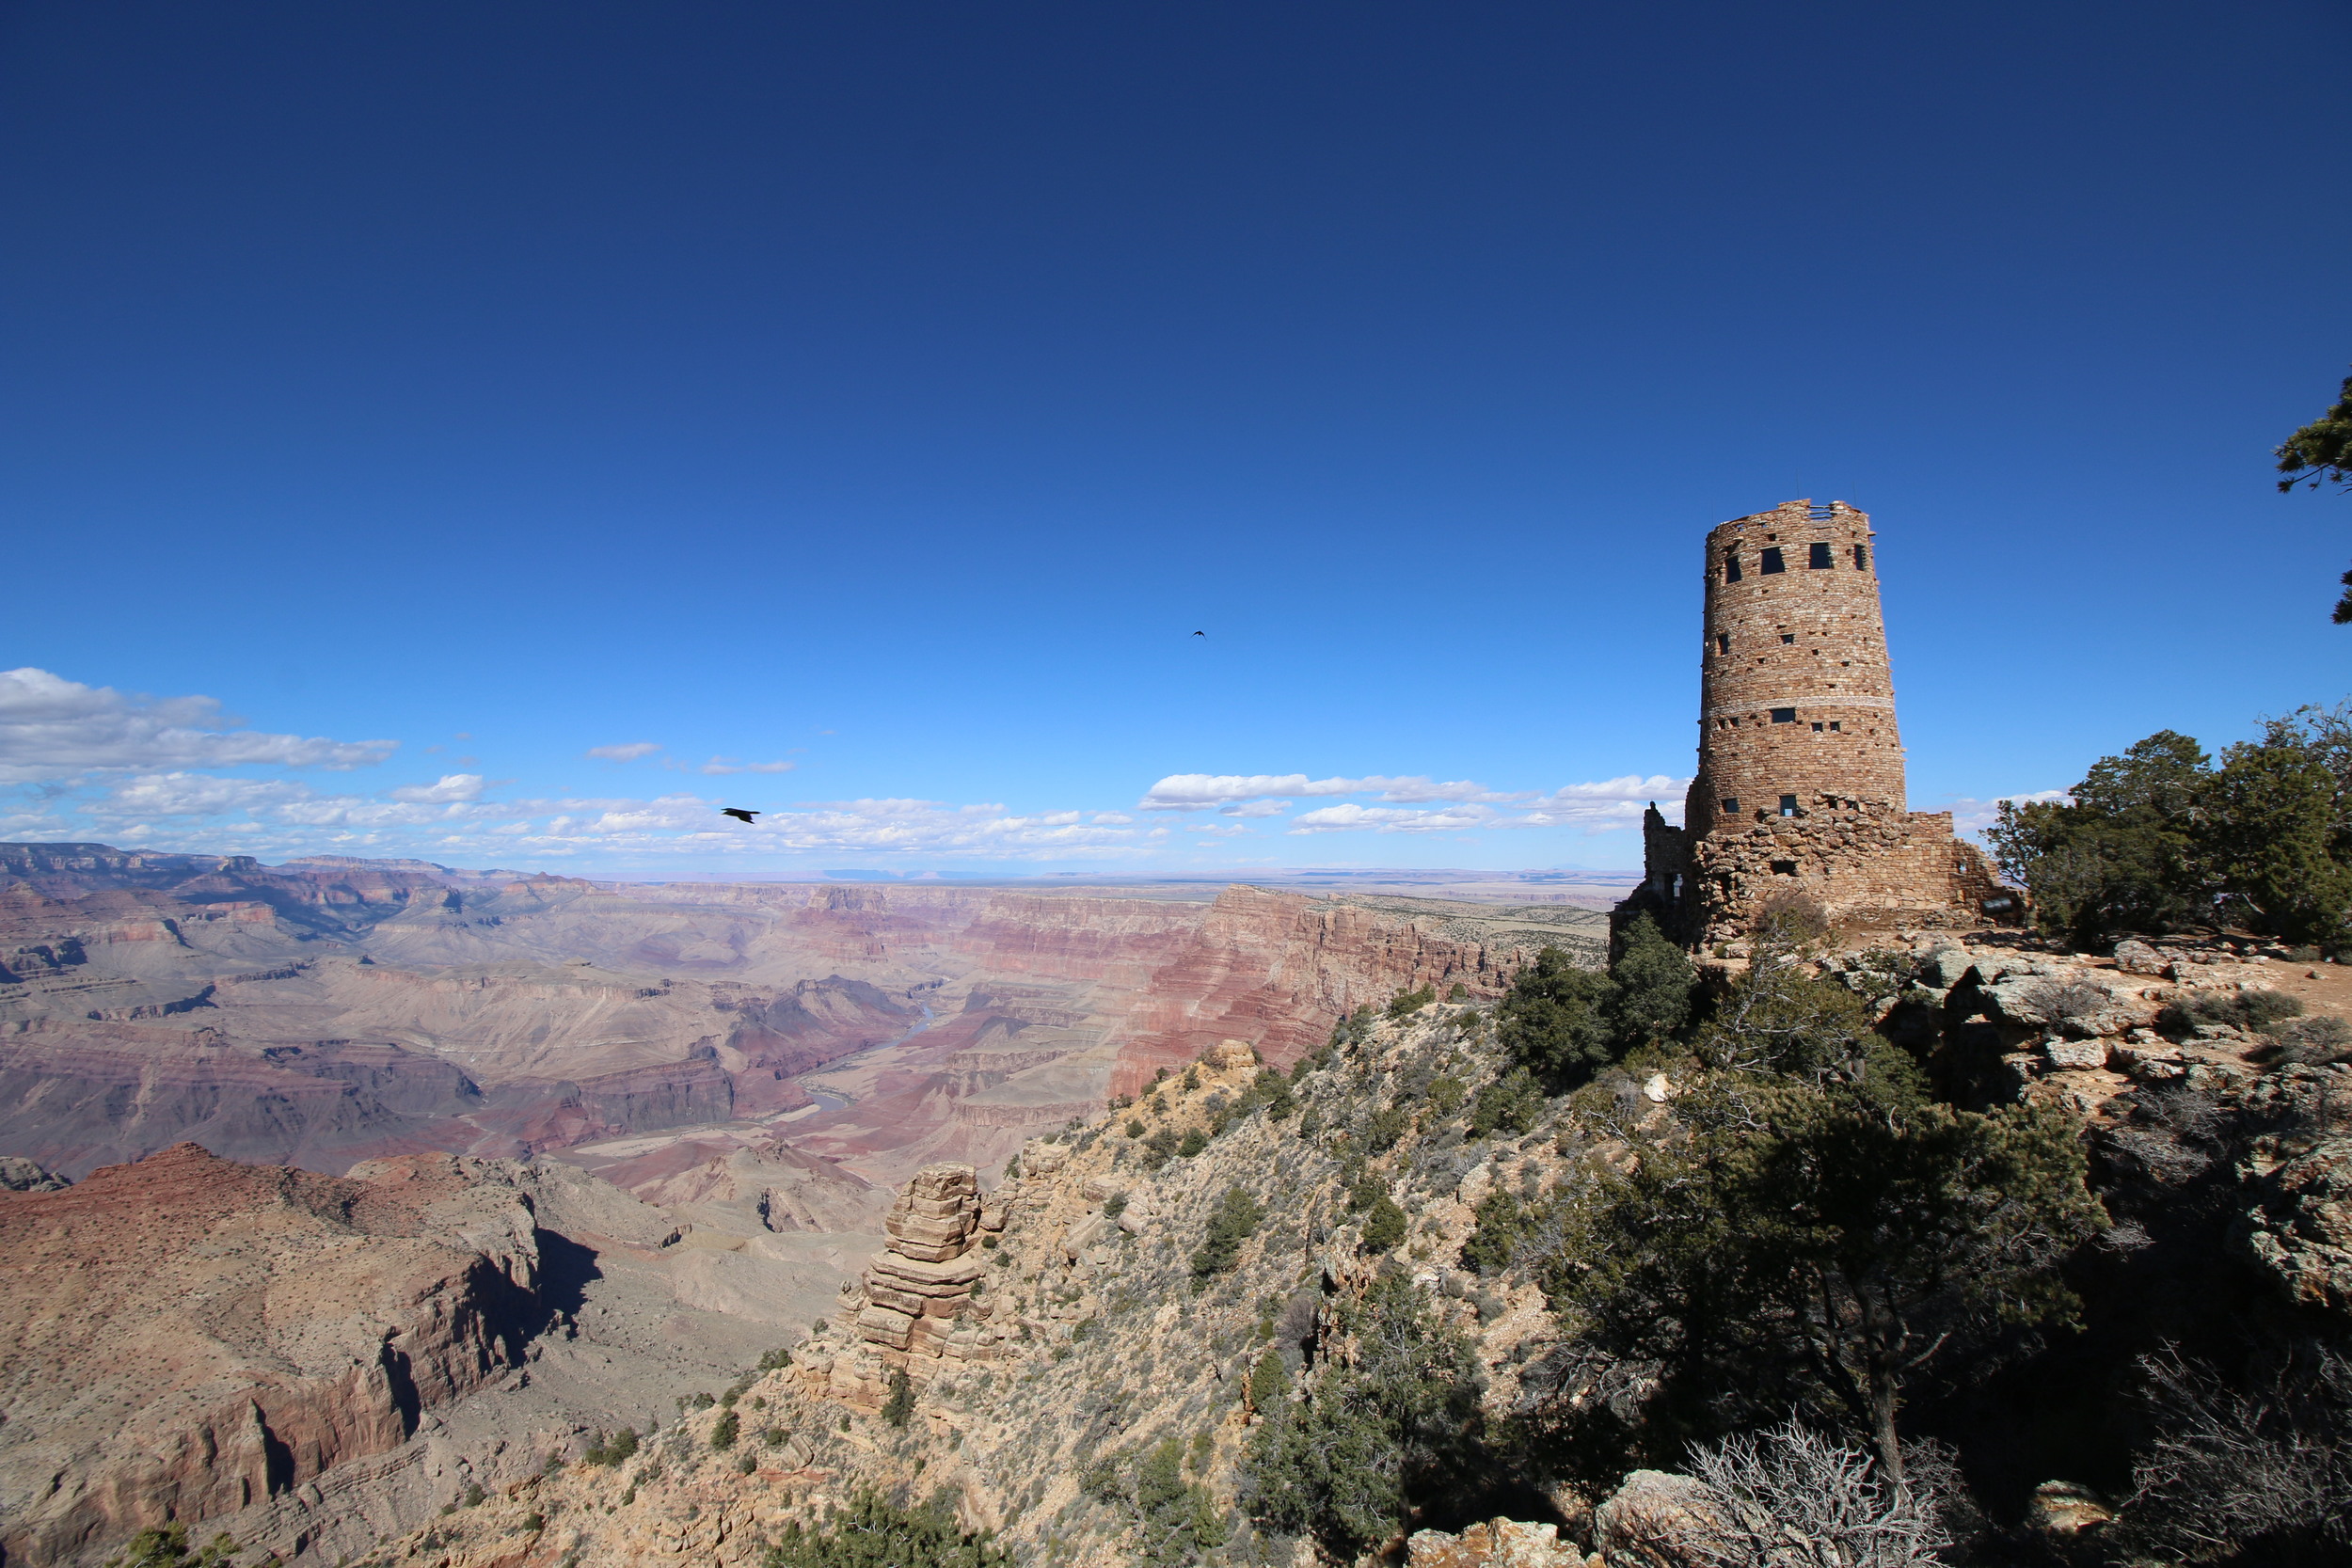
[
  {"x": 2300, "y": 1232},
  {"x": 1656, "y": 1519},
  {"x": 1943, "y": 966},
  {"x": 2065, "y": 1508},
  {"x": 1040, "y": 1158},
  {"x": 2138, "y": 957},
  {"x": 1498, "y": 1543},
  {"x": 1225, "y": 1055}
]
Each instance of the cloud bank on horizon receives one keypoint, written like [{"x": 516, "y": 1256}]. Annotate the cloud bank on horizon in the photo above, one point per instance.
[{"x": 82, "y": 762}]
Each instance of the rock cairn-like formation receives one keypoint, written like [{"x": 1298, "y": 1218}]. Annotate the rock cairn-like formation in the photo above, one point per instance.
[{"x": 916, "y": 1302}]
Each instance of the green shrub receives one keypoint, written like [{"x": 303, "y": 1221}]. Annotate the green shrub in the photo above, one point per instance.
[
  {"x": 1115, "y": 1205},
  {"x": 1384, "y": 1225},
  {"x": 616, "y": 1450},
  {"x": 2255, "y": 1011},
  {"x": 1446, "y": 1095},
  {"x": 1556, "y": 1022},
  {"x": 1159, "y": 1146},
  {"x": 1460, "y": 993},
  {"x": 1364, "y": 1188},
  {"x": 774, "y": 1436},
  {"x": 1656, "y": 984},
  {"x": 1269, "y": 1379},
  {"x": 1195, "y": 1140},
  {"x": 1512, "y": 1103},
  {"x": 1388, "y": 1124},
  {"x": 900, "y": 1407},
  {"x": 1397, "y": 1429},
  {"x": 723, "y": 1431},
  {"x": 872, "y": 1532},
  {"x": 1135, "y": 1127},
  {"x": 167, "y": 1547},
  {"x": 1407, "y": 1003},
  {"x": 1234, "y": 1221},
  {"x": 1192, "y": 1078},
  {"x": 1501, "y": 1221}
]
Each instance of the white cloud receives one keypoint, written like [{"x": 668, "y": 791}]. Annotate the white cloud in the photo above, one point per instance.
[
  {"x": 52, "y": 728},
  {"x": 1111, "y": 819},
  {"x": 1200, "y": 791},
  {"x": 728, "y": 764},
  {"x": 1398, "y": 819},
  {"x": 1971, "y": 815},
  {"x": 193, "y": 795},
  {"x": 629, "y": 752},
  {"x": 1597, "y": 807},
  {"x": 453, "y": 787}
]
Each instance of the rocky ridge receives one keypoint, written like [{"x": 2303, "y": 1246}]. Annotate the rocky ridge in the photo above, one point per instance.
[{"x": 1095, "y": 1334}]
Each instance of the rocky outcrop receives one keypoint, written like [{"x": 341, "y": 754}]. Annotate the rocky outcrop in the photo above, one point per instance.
[
  {"x": 916, "y": 1304},
  {"x": 185, "y": 1337},
  {"x": 1496, "y": 1544}
]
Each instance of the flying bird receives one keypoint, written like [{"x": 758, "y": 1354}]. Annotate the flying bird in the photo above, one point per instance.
[
  {"x": 1199, "y": 634},
  {"x": 738, "y": 814}
]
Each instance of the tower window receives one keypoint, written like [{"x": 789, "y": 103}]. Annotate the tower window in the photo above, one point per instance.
[
  {"x": 1816, "y": 726},
  {"x": 1722, "y": 642},
  {"x": 1771, "y": 562},
  {"x": 1784, "y": 868},
  {"x": 1784, "y": 715},
  {"x": 1834, "y": 725},
  {"x": 1816, "y": 557},
  {"x": 1862, "y": 558},
  {"x": 1731, "y": 567},
  {"x": 1731, "y": 806},
  {"x": 1787, "y": 637},
  {"x": 1787, "y": 805}
]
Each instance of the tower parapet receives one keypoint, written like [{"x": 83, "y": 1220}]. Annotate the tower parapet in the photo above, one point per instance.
[{"x": 1799, "y": 780}]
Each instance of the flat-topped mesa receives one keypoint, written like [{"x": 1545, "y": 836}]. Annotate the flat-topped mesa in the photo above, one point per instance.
[
  {"x": 1800, "y": 787},
  {"x": 915, "y": 1303}
]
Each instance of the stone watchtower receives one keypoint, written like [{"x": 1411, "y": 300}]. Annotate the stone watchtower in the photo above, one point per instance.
[
  {"x": 1799, "y": 780},
  {"x": 1796, "y": 701}
]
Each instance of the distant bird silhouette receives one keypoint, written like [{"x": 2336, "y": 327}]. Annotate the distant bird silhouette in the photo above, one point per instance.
[
  {"x": 1199, "y": 634},
  {"x": 738, "y": 814}
]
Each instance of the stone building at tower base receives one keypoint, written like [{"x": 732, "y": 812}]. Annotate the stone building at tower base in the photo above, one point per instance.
[{"x": 1864, "y": 863}]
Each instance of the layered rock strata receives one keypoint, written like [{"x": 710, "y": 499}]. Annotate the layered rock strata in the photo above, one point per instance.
[
  {"x": 185, "y": 1337},
  {"x": 916, "y": 1304}
]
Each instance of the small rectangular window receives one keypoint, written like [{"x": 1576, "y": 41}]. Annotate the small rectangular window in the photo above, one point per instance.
[
  {"x": 1722, "y": 642},
  {"x": 1731, "y": 804},
  {"x": 1787, "y": 637},
  {"x": 1787, "y": 805},
  {"x": 1771, "y": 561},
  {"x": 1816, "y": 726},
  {"x": 1731, "y": 567},
  {"x": 1780, "y": 715},
  {"x": 1816, "y": 557},
  {"x": 1862, "y": 558},
  {"x": 1784, "y": 868},
  {"x": 1835, "y": 725}
]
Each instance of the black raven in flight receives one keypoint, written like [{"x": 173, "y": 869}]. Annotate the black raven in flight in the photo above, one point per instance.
[{"x": 738, "y": 814}]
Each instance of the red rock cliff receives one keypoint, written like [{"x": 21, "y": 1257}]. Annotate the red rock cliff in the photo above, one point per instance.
[{"x": 185, "y": 1336}]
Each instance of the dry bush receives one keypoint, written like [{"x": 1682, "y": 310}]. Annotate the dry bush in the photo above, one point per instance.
[
  {"x": 2255, "y": 1473},
  {"x": 1793, "y": 1497}
]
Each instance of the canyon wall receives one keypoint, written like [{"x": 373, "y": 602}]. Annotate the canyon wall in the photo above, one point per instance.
[{"x": 185, "y": 1337}]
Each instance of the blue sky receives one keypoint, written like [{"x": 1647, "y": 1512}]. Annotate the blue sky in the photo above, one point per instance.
[{"x": 451, "y": 393}]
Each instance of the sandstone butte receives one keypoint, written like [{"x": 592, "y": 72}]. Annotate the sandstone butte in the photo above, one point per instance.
[{"x": 186, "y": 1335}]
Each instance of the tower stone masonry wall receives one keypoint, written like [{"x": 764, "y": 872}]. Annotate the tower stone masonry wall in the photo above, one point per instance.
[
  {"x": 1800, "y": 785},
  {"x": 1795, "y": 696}
]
